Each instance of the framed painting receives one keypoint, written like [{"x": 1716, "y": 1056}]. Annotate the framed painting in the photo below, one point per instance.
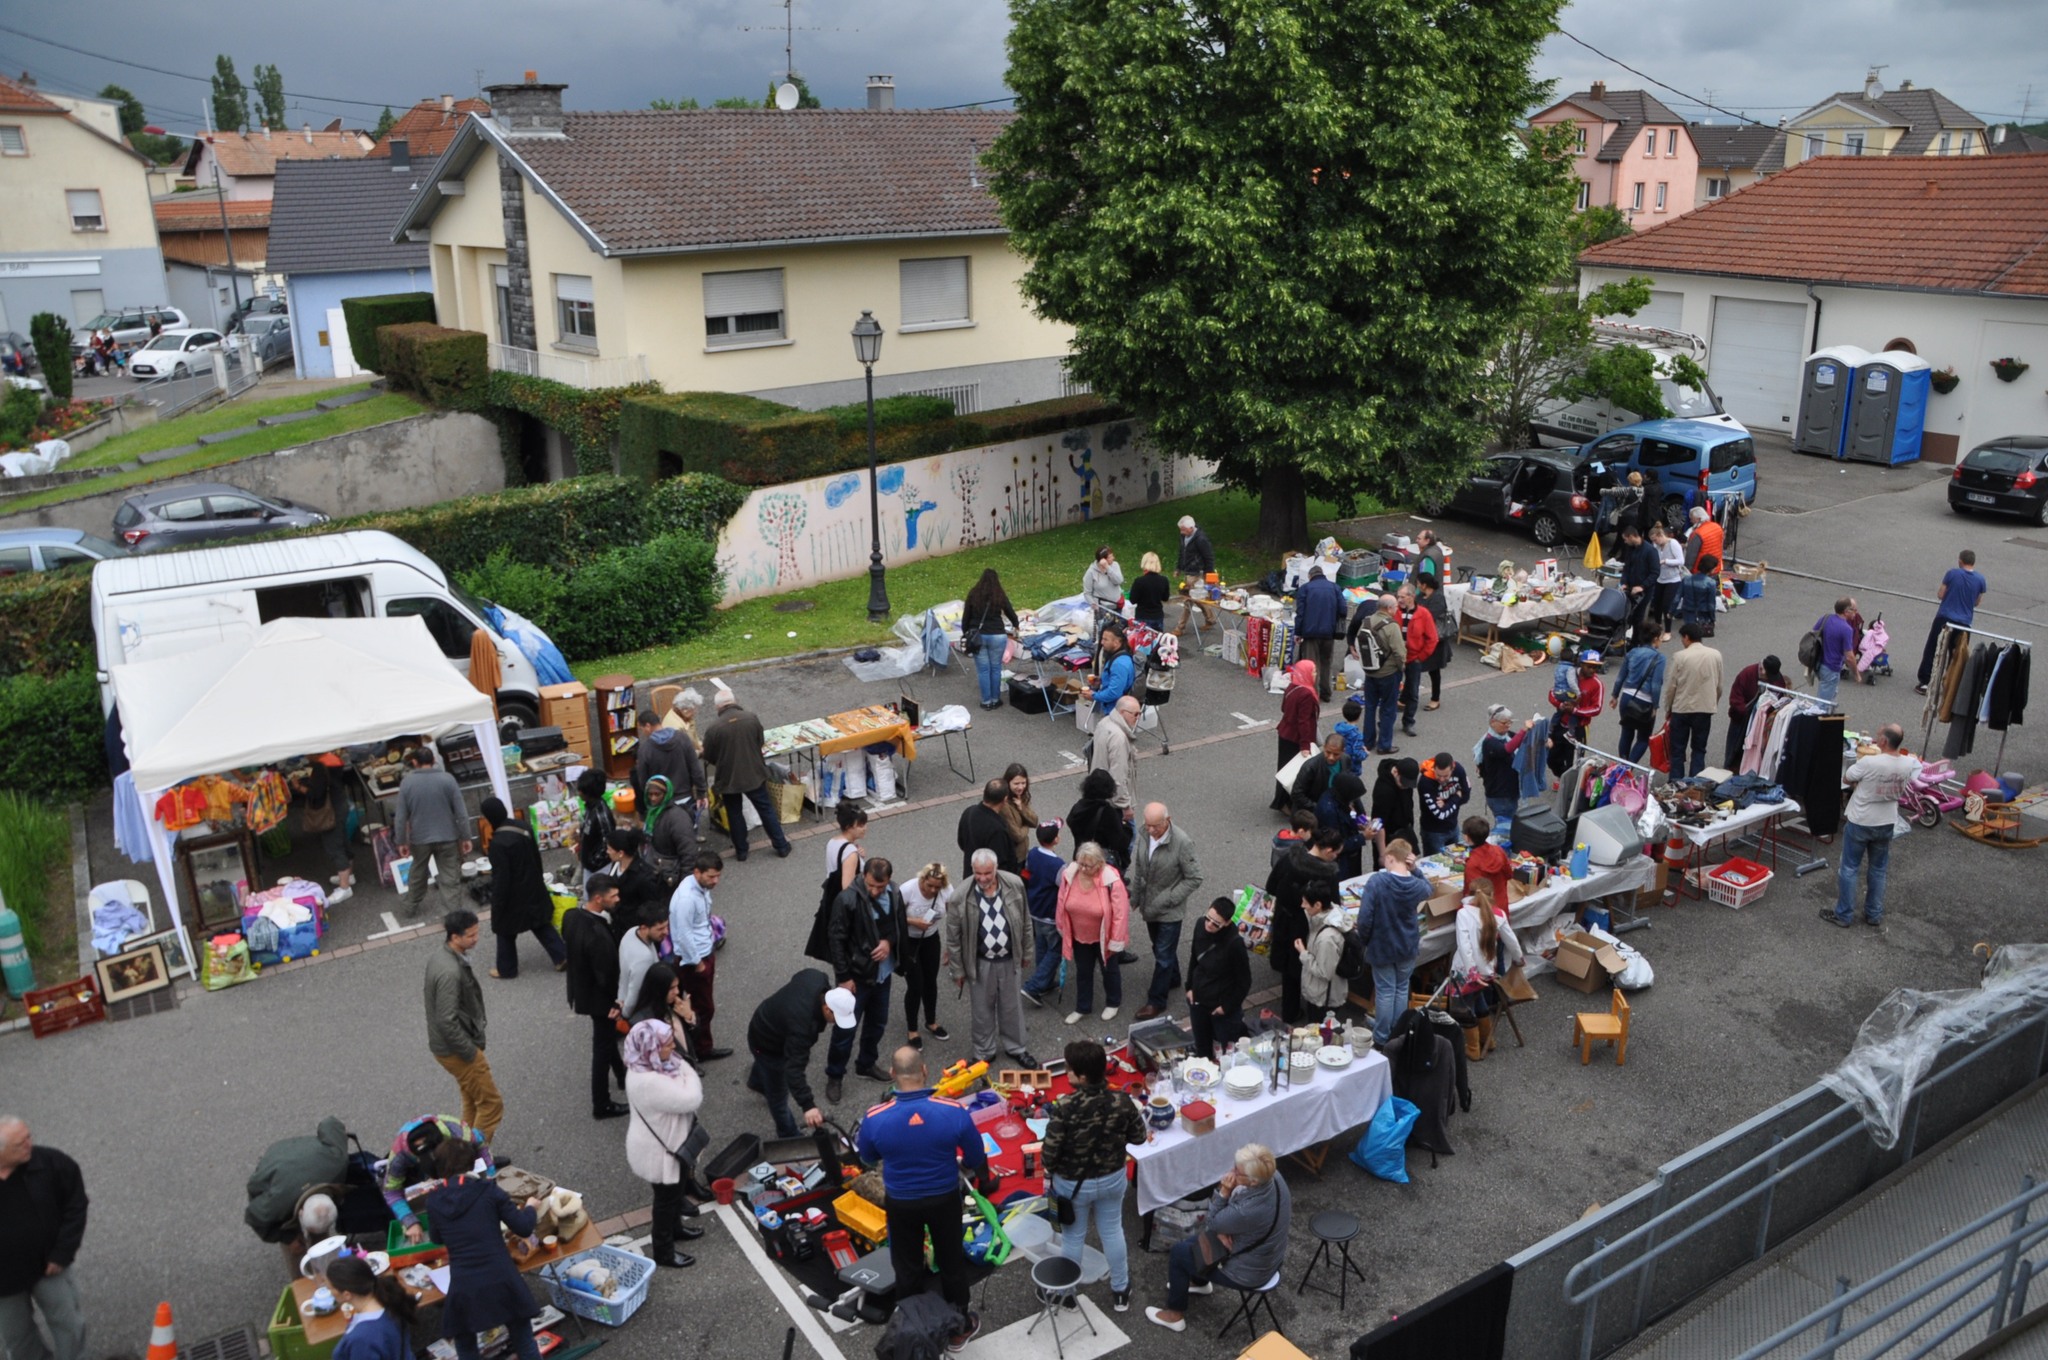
[{"x": 133, "y": 973}]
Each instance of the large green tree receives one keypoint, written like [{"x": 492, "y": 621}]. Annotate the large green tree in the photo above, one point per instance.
[
  {"x": 384, "y": 122},
  {"x": 133, "y": 120},
  {"x": 230, "y": 96},
  {"x": 270, "y": 95},
  {"x": 1292, "y": 234}
]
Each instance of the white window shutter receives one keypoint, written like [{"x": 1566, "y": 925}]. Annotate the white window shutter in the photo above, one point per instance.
[
  {"x": 83, "y": 202},
  {"x": 934, "y": 290},
  {"x": 743, "y": 291},
  {"x": 574, "y": 288}
]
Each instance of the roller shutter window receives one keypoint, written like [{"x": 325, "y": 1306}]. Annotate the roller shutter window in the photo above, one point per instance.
[
  {"x": 576, "y": 310},
  {"x": 86, "y": 213},
  {"x": 743, "y": 307},
  {"x": 934, "y": 292}
]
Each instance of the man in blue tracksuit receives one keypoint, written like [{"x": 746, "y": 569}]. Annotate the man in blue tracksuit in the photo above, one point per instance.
[{"x": 921, "y": 1140}]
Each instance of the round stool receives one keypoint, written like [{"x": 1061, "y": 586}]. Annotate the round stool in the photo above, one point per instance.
[
  {"x": 1333, "y": 1228},
  {"x": 1056, "y": 1280}
]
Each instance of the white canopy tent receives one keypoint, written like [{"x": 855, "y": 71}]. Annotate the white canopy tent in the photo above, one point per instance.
[{"x": 298, "y": 687}]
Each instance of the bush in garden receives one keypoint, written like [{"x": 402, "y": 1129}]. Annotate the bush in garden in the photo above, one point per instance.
[
  {"x": 522, "y": 587},
  {"x": 444, "y": 366},
  {"x": 20, "y": 409},
  {"x": 51, "y": 336},
  {"x": 365, "y": 315},
  {"x": 35, "y": 838},
  {"x": 45, "y": 623},
  {"x": 639, "y": 596},
  {"x": 54, "y": 747}
]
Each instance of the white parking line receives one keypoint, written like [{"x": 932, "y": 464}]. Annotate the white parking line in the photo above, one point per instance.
[
  {"x": 1246, "y": 722},
  {"x": 391, "y": 926},
  {"x": 785, "y": 1294}
]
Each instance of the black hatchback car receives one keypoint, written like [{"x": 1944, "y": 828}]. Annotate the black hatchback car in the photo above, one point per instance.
[
  {"x": 1552, "y": 493},
  {"x": 2006, "y": 476}
]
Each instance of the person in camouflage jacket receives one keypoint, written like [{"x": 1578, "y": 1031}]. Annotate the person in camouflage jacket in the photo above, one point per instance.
[{"x": 1086, "y": 1134}]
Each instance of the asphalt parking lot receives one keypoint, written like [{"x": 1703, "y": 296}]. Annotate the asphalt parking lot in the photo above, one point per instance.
[{"x": 168, "y": 1114}]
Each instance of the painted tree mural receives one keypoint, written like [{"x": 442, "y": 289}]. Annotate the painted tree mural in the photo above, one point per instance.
[
  {"x": 968, "y": 478},
  {"x": 782, "y": 527}
]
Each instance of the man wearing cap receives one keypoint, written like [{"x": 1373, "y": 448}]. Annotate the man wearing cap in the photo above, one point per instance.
[
  {"x": 922, "y": 1141},
  {"x": 732, "y": 744},
  {"x": 1196, "y": 563},
  {"x": 781, "y": 1035}
]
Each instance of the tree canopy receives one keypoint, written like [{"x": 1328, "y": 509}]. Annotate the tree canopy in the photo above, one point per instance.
[
  {"x": 1292, "y": 234},
  {"x": 270, "y": 94},
  {"x": 133, "y": 120},
  {"x": 384, "y": 123},
  {"x": 230, "y": 96}
]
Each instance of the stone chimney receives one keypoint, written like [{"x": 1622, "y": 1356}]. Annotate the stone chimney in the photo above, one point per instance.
[
  {"x": 528, "y": 109},
  {"x": 401, "y": 154},
  {"x": 447, "y": 103},
  {"x": 881, "y": 93},
  {"x": 1872, "y": 89},
  {"x": 1598, "y": 92}
]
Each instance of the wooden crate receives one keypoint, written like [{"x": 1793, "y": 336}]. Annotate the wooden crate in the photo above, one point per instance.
[{"x": 52, "y": 1010}]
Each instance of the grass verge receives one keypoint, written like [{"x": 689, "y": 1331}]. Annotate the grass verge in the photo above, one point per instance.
[
  {"x": 35, "y": 841},
  {"x": 184, "y": 429},
  {"x": 376, "y": 411},
  {"x": 1034, "y": 569}
]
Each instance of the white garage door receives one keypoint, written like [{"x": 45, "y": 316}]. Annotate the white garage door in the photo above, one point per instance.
[
  {"x": 1664, "y": 309},
  {"x": 1754, "y": 359}
]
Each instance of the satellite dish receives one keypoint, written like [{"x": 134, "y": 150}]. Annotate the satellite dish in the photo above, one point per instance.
[{"x": 786, "y": 95}]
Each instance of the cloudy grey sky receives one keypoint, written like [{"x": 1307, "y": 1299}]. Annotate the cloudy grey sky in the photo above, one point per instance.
[{"x": 1763, "y": 57}]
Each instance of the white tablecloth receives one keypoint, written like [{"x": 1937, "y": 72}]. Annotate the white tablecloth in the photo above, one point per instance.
[
  {"x": 1754, "y": 815},
  {"x": 1176, "y": 1163},
  {"x": 1462, "y": 603},
  {"x": 1533, "y": 913}
]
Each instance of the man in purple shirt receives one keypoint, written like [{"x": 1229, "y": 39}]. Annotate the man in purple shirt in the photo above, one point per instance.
[
  {"x": 1837, "y": 643},
  {"x": 1960, "y": 590}
]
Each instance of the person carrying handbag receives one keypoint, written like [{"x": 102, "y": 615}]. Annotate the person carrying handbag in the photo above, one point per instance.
[
  {"x": 982, "y": 635},
  {"x": 663, "y": 1139}
]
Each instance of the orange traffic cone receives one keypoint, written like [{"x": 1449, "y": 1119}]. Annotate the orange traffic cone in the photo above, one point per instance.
[{"x": 163, "y": 1338}]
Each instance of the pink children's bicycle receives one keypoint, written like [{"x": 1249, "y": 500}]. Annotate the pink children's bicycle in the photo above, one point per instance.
[{"x": 1934, "y": 793}]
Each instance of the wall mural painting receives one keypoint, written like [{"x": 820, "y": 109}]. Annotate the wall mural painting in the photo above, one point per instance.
[{"x": 818, "y": 530}]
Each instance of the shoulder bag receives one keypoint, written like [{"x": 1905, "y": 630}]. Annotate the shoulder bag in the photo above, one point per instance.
[
  {"x": 687, "y": 1156},
  {"x": 1210, "y": 1251}
]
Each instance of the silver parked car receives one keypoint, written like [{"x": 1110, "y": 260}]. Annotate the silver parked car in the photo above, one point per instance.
[
  {"x": 130, "y": 327},
  {"x": 27, "y": 550},
  {"x": 198, "y": 512},
  {"x": 272, "y": 336}
]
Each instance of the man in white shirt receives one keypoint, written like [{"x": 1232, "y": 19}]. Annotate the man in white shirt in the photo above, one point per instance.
[
  {"x": 639, "y": 950},
  {"x": 1875, "y": 784},
  {"x": 689, "y": 928}
]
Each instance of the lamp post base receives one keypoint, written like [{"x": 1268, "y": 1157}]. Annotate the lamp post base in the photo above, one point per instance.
[{"x": 878, "y": 593}]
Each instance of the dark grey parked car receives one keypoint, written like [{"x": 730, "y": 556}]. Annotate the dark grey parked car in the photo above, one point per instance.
[
  {"x": 199, "y": 512},
  {"x": 26, "y": 550},
  {"x": 272, "y": 336}
]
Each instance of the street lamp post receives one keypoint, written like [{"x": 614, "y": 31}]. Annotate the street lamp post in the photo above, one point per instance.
[{"x": 867, "y": 348}]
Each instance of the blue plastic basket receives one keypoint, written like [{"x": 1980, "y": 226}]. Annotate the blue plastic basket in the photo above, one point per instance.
[{"x": 634, "y": 1274}]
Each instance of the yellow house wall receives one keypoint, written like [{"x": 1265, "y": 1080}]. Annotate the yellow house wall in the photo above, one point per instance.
[
  {"x": 63, "y": 155},
  {"x": 554, "y": 247}
]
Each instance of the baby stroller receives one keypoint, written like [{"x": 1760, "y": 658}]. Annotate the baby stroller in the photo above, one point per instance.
[
  {"x": 1872, "y": 657},
  {"x": 1161, "y": 668},
  {"x": 1606, "y": 622}
]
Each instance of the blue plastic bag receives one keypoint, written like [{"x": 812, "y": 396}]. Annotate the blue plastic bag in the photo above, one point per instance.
[{"x": 1384, "y": 1150}]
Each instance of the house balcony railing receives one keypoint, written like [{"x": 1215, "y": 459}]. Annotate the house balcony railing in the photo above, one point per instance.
[{"x": 571, "y": 369}]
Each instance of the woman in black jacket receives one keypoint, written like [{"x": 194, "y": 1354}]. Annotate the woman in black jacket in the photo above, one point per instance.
[
  {"x": 596, "y": 825},
  {"x": 1095, "y": 818},
  {"x": 983, "y": 615},
  {"x": 519, "y": 897},
  {"x": 1393, "y": 800},
  {"x": 642, "y": 897},
  {"x": 485, "y": 1289},
  {"x": 1219, "y": 979}
]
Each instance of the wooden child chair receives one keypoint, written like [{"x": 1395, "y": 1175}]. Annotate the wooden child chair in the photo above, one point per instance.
[{"x": 1610, "y": 1026}]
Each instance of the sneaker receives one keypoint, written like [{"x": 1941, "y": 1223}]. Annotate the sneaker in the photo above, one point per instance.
[
  {"x": 339, "y": 896},
  {"x": 1919, "y": 689},
  {"x": 939, "y": 1032},
  {"x": 954, "y": 1345},
  {"x": 835, "y": 1087},
  {"x": 915, "y": 1041},
  {"x": 1034, "y": 998},
  {"x": 1828, "y": 914},
  {"x": 1177, "y": 1325},
  {"x": 1109, "y": 1013},
  {"x": 335, "y": 879},
  {"x": 1073, "y": 1017},
  {"x": 1120, "y": 1299}
]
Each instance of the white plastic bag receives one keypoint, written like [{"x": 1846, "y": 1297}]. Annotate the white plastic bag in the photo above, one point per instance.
[
  {"x": 1354, "y": 673},
  {"x": 882, "y": 778},
  {"x": 1285, "y": 776}
]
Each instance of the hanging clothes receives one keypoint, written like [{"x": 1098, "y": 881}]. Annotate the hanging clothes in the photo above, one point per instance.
[
  {"x": 2006, "y": 702},
  {"x": 1812, "y": 769},
  {"x": 1962, "y": 728}
]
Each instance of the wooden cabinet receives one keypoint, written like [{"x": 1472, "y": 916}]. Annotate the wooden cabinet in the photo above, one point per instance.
[
  {"x": 568, "y": 707},
  {"x": 618, "y": 733}
]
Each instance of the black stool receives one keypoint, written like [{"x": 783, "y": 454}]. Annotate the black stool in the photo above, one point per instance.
[
  {"x": 1333, "y": 1228},
  {"x": 1056, "y": 1280},
  {"x": 1249, "y": 1302}
]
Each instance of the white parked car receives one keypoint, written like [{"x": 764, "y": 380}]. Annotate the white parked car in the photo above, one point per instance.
[{"x": 174, "y": 354}]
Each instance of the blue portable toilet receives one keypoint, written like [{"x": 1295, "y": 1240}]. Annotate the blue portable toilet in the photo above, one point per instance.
[
  {"x": 1824, "y": 393},
  {"x": 1888, "y": 409}
]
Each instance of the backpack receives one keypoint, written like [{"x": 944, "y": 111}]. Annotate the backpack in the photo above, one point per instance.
[
  {"x": 1810, "y": 648},
  {"x": 919, "y": 1329},
  {"x": 1351, "y": 960},
  {"x": 1370, "y": 654}
]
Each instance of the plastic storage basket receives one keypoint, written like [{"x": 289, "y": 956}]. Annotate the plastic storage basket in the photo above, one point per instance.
[
  {"x": 1737, "y": 882},
  {"x": 633, "y": 1273}
]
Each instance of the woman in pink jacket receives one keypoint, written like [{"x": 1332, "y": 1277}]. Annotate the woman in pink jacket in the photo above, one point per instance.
[{"x": 1094, "y": 918}]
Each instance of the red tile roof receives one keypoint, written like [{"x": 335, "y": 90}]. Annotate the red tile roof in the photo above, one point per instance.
[
  {"x": 427, "y": 129},
  {"x": 257, "y": 153},
  {"x": 18, "y": 98},
  {"x": 1952, "y": 223},
  {"x": 687, "y": 179},
  {"x": 192, "y": 213}
]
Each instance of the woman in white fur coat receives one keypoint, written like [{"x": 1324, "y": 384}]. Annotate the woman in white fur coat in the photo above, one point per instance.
[{"x": 664, "y": 1094}]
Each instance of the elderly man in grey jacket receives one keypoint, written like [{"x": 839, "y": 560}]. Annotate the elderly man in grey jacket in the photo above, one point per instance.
[
  {"x": 989, "y": 945},
  {"x": 1113, "y": 740},
  {"x": 1164, "y": 874},
  {"x": 1244, "y": 1242},
  {"x": 428, "y": 823}
]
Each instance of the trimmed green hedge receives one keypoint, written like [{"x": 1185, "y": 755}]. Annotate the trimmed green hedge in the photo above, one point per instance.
[
  {"x": 444, "y": 366},
  {"x": 763, "y": 443},
  {"x": 54, "y": 730},
  {"x": 589, "y": 420},
  {"x": 634, "y": 596},
  {"x": 46, "y": 623},
  {"x": 367, "y": 315}
]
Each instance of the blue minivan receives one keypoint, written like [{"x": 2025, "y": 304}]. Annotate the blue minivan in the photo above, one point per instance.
[{"x": 1677, "y": 458}]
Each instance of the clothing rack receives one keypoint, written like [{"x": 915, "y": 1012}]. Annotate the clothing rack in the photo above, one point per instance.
[
  {"x": 1798, "y": 694},
  {"x": 1635, "y": 920},
  {"x": 1968, "y": 631},
  {"x": 1611, "y": 758}
]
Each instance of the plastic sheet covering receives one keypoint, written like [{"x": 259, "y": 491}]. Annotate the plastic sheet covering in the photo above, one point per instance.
[
  {"x": 547, "y": 660},
  {"x": 1901, "y": 1038},
  {"x": 926, "y": 636},
  {"x": 1068, "y": 610}
]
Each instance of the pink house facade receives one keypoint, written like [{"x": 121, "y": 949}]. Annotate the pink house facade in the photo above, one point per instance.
[{"x": 1633, "y": 153}]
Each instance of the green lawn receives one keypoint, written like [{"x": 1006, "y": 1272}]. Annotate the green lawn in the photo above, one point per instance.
[
  {"x": 1034, "y": 569},
  {"x": 184, "y": 429},
  {"x": 376, "y": 411}
]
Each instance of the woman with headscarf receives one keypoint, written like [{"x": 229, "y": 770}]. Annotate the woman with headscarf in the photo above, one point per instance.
[
  {"x": 1299, "y": 709},
  {"x": 519, "y": 896},
  {"x": 664, "y": 1094},
  {"x": 671, "y": 831},
  {"x": 982, "y": 617}
]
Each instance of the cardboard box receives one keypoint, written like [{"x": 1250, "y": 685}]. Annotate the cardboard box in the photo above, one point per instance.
[
  {"x": 1653, "y": 894},
  {"x": 1587, "y": 964},
  {"x": 1443, "y": 904}
]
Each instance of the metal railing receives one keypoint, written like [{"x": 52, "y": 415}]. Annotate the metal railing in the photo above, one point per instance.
[
  {"x": 575, "y": 371},
  {"x": 2003, "y": 1264},
  {"x": 1670, "y": 1228},
  {"x": 236, "y": 374},
  {"x": 966, "y": 397}
]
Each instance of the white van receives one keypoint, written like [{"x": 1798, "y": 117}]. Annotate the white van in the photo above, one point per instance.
[
  {"x": 161, "y": 604},
  {"x": 1574, "y": 423}
]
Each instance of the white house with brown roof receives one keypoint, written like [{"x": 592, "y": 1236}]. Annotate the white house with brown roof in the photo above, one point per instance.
[
  {"x": 1944, "y": 256},
  {"x": 733, "y": 250},
  {"x": 76, "y": 232},
  {"x": 247, "y": 161}
]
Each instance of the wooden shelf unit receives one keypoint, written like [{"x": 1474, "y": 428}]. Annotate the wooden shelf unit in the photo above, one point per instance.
[
  {"x": 568, "y": 707},
  {"x": 617, "y": 733}
]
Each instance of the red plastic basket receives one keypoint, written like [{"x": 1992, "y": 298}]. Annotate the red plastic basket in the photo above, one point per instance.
[
  {"x": 1737, "y": 882},
  {"x": 52, "y": 1010}
]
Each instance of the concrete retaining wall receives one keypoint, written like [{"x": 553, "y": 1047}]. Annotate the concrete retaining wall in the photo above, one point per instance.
[{"x": 420, "y": 460}]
